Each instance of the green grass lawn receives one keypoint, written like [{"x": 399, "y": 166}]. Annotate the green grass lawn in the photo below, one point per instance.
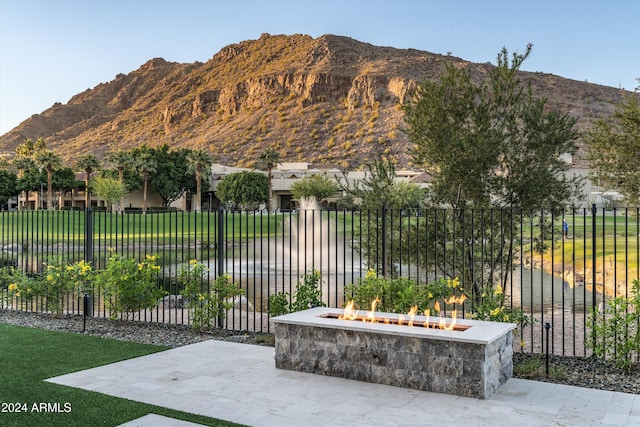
[{"x": 29, "y": 356}]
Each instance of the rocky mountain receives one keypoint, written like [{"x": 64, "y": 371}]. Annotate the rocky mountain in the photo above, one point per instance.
[{"x": 331, "y": 99}]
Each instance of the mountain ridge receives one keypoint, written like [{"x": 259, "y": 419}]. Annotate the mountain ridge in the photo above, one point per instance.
[{"x": 328, "y": 99}]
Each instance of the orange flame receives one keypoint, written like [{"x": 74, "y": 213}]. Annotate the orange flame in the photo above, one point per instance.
[
  {"x": 427, "y": 313},
  {"x": 349, "y": 312},
  {"x": 370, "y": 314},
  {"x": 412, "y": 314}
]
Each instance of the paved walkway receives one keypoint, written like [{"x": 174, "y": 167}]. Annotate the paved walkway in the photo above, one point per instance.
[{"x": 239, "y": 383}]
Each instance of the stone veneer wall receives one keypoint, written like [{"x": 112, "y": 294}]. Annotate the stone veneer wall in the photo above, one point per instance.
[{"x": 463, "y": 369}]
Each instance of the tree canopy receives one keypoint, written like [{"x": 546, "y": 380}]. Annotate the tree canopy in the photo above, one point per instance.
[
  {"x": 493, "y": 143},
  {"x": 243, "y": 190},
  {"x": 315, "y": 186},
  {"x": 8, "y": 186},
  {"x": 614, "y": 145}
]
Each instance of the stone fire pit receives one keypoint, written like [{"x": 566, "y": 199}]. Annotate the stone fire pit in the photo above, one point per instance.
[{"x": 472, "y": 362}]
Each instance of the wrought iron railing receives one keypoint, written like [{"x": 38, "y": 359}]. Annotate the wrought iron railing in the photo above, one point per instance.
[{"x": 553, "y": 276}]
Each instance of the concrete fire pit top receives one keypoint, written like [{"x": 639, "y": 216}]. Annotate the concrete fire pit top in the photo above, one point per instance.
[{"x": 479, "y": 332}]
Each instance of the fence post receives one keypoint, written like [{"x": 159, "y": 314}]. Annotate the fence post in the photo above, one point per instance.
[
  {"x": 220, "y": 258},
  {"x": 594, "y": 211},
  {"x": 384, "y": 240},
  {"x": 88, "y": 235}
]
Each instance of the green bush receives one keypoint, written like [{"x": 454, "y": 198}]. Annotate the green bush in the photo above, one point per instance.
[
  {"x": 615, "y": 329},
  {"x": 206, "y": 303},
  {"x": 18, "y": 284},
  {"x": 308, "y": 295},
  {"x": 491, "y": 306},
  {"x": 50, "y": 288},
  {"x": 129, "y": 286},
  {"x": 399, "y": 295}
]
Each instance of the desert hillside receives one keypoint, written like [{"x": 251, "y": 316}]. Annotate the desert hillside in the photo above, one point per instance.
[{"x": 331, "y": 99}]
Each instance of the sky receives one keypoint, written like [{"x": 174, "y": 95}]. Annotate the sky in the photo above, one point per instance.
[{"x": 51, "y": 50}]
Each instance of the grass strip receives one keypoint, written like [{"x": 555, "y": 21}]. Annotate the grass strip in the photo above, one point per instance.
[{"x": 28, "y": 356}]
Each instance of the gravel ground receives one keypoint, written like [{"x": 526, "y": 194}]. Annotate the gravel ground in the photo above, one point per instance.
[{"x": 579, "y": 371}]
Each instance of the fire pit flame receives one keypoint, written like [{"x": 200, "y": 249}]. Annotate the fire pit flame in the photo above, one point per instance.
[{"x": 350, "y": 313}]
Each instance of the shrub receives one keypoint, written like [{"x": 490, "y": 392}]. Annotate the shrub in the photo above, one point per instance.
[
  {"x": 60, "y": 278},
  {"x": 206, "y": 303},
  {"x": 18, "y": 284},
  {"x": 308, "y": 295},
  {"x": 616, "y": 329},
  {"x": 491, "y": 307},
  {"x": 129, "y": 286},
  {"x": 399, "y": 295},
  {"x": 49, "y": 288}
]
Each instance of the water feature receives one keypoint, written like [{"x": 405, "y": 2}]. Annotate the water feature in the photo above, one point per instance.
[{"x": 309, "y": 239}]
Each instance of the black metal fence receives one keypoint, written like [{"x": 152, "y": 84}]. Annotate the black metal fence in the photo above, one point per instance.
[{"x": 555, "y": 266}]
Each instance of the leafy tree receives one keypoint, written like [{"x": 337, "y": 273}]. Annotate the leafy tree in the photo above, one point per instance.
[
  {"x": 111, "y": 190},
  {"x": 25, "y": 155},
  {"x": 613, "y": 145},
  {"x": 31, "y": 179},
  {"x": 376, "y": 190},
  {"x": 488, "y": 145},
  {"x": 381, "y": 198},
  {"x": 492, "y": 144},
  {"x": 269, "y": 159},
  {"x": 198, "y": 163},
  {"x": 406, "y": 195},
  {"x": 88, "y": 164},
  {"x": 49, "y": 161},
  {"x": 170, "y": 175},
  {"x": 64, "y": 181},
  {"x": 23, "y": 165},
  {"x": 8, "y": 186},
  {"x": 316, "y": 187},
  {"x": 243, "y": 190}
]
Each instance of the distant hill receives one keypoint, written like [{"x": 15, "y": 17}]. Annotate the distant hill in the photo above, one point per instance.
[{"x": 331, "y": 99}]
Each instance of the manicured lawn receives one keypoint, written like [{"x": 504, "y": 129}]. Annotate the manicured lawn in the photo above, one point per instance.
[{"x": 29, "y": 356}]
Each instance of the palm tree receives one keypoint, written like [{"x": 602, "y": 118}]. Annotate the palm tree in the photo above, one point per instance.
[
  {"x": 23, "y": 164},
  {"x": 145, "y": 164},
  {"x": 30, "y": 149},
  {"x": 89, "y": 164},
  {"x": 49, "y": 161},
  {"x": 270, "y": 159},
  {"x": 198, "y": 161},
  {"x": 122, "y": 160}
]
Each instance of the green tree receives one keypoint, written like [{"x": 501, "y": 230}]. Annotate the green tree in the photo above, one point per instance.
[
  {"x": 170, "y": 175},
  {"x": 316, "y": 187},
  {"x": 88, "y": 164},
  {"x": 492, "y": 144},
  {"x": 243, "y": 190},
  {"x": 64, "y": 181},
  {"x": 29, "y": 149},
  {"x": 489, "y": 145},
  {"x": 406, "y": 195},
  {"x": 25, "y": 155},
  {"x": 8, "y": 186},
  {"x": 49, "y": 161},
  {"x": 269, "y": 159},
  {"x": 198, "y": 163},
  {"x": 110, "y": 190},
  {"x": 381, "y": 198},
  {"x": 375, "y": 191},
  {"x": 613, "y": 145}
]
